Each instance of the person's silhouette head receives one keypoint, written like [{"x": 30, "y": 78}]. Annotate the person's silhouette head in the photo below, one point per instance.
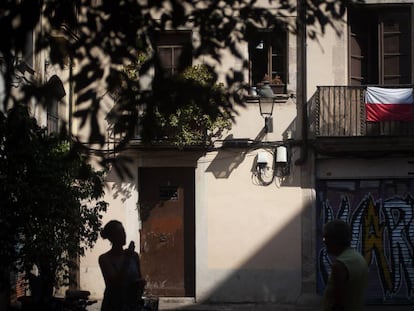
[
  {"x": 337, "y": 236},
  {"x": 114, "y": 231}
]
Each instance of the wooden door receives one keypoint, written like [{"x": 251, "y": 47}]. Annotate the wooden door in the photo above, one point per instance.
[{"x": 167, "y": 234}]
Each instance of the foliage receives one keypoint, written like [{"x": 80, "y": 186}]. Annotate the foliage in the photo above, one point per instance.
[
  {"x": 50, "y": 199},
  {"x": 100, "y": 37},
  {"x": 40, "y": 181},
  {"x": 188, "y": 125}
]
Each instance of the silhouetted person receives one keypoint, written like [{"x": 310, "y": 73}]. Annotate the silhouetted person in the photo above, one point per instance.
[
  {"x": 121, "y": 271},
  {"x": 348, "y": 280}
]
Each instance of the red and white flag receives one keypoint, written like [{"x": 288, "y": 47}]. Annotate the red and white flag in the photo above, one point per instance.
[{"x": 389, "y": 104}]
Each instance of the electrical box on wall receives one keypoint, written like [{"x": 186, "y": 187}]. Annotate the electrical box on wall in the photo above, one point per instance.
[{"x": 262, "y": 158}]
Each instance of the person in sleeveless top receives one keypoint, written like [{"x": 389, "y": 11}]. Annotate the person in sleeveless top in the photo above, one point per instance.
[
  {"x": 121, "y": 271},
  {"x": 347, "y": 282}
]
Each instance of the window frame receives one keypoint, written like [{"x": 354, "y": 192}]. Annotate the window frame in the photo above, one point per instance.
[
  {"x": 370, "y": 62},
  {"x": 174, "y": 40},
  {"x": 275, "y": 44},
  {"x": 52, "y": 117}
]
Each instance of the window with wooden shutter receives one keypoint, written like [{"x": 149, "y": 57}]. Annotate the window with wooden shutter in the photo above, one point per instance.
[{"x": 380, "y": 45}]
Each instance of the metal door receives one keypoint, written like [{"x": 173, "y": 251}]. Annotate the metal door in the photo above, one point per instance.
[
  {"x": 167, "y": 234},
  {"x": 381, "y": 215}
]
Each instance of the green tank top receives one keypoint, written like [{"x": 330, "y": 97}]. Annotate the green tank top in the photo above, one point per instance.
[{"x": 356, "y": 284}]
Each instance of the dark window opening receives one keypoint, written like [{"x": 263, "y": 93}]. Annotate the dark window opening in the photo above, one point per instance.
[
  {"x": 53, "y": 117},
  {"x": 174, "y": 51},
  {"x": 268, "y": 57},
  {"x": 380, "y": 45}
]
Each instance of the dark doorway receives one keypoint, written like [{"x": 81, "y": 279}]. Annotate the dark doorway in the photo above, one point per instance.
[{"x": 167, "y": 235}]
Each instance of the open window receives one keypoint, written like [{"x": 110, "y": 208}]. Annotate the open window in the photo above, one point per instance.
[
  {"x": 380, "y": 45},
  {"x": 268, "y": 58}
]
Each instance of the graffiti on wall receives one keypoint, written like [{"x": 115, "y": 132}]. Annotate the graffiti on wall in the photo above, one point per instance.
[{"x": 382, "y": 230}]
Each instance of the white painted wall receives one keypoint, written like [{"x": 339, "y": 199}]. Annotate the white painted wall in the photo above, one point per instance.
[
  {"x": 327, "y": 62},
  {"x": 248, "y": 236},
  {"x": 122, "y": 197}
]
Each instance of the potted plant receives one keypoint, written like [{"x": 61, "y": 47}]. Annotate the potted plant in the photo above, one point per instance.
[{"x": 276, "y": 83}]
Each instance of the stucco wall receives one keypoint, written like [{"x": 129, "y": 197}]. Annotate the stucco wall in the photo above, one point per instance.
[
  {"x": 249, "y": 236},
  {"x": 122, "y": 196},
  {"x": 327, "y": 62}
]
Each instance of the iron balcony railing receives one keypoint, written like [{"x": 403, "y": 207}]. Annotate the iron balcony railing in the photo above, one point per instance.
[{"x": 339, "y": 111}]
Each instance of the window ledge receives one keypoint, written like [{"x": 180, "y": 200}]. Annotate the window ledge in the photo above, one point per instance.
[{"x": 278, "y": 98}]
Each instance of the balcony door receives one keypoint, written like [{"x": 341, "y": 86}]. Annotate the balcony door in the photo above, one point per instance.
[{"x": 380, "y": 45}]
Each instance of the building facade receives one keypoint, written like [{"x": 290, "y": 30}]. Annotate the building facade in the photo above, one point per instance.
[
  {"x": 228, "y": 225},
  {"x": 242, "y": 221}
]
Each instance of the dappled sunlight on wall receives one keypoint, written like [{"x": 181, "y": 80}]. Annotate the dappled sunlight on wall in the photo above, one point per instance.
[{"x": 122, "y": 199}]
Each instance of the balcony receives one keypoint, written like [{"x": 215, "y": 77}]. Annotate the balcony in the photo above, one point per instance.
[{"x": 337, "y": 124}]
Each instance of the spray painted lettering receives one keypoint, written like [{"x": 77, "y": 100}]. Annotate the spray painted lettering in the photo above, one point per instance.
[{"x": 382, "y": 224}]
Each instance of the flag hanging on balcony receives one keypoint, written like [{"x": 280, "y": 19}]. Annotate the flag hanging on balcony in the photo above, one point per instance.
[{"x": 389, "y": 104}]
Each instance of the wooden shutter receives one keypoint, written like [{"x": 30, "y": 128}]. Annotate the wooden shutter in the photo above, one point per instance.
[
  {"x": 358, "y": 40},
  {"x": 379, "y": 45},
  {"x": 395, "y": 46}
]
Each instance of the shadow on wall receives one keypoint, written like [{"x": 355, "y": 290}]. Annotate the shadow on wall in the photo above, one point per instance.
[
  {"x": 281, "y": 270},
  {"x": 312, "y": 108},
  {"x": 120, "y": 189},
  {"x": 230, "y": 158},
  {"x": 224, "y": 164},
  {"x": 233, "y": 154}
]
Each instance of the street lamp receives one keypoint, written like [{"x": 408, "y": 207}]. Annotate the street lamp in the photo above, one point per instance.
[{"x": 266, "y": 103}]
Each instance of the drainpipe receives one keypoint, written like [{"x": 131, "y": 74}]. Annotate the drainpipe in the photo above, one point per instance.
[
  {"x": 70, "y": 97},
  {"x": 302, "y": 79}
]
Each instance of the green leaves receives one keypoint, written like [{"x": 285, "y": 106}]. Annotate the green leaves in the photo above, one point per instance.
[
  {"x": 96, "y": 38},
  {"x": 195, "y": 121},
  {"x": 119, "y": 30},
  {"x": 50, "y": 198},
  {"x": 183, "y": 110}
]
